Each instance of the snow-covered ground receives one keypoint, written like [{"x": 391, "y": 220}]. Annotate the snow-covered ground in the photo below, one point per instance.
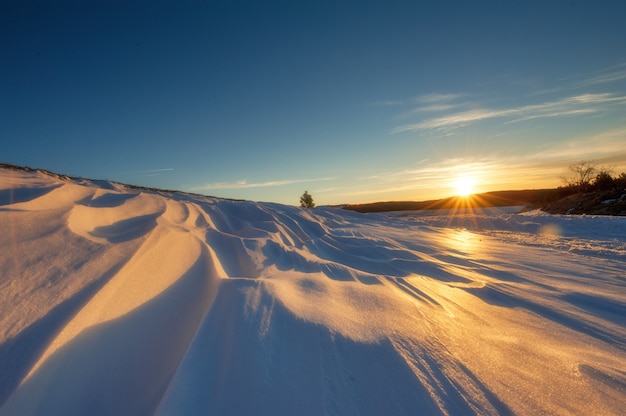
[{"x": 116, "y": 301}]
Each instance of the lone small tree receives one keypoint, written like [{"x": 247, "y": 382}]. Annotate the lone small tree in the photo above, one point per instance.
[{"x": 306, "y": 200}]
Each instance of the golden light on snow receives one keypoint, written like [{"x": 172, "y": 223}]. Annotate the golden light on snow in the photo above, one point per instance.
[
  {"x": 179, "y": 302},
  {"x": 464, "y": 241}
]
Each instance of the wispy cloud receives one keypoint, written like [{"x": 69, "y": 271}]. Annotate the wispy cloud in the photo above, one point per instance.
[
  {"x": 244, "y": 184},
  {"x": 438, "y": 98},
  {"x": 615, "y": 73},
  {"x": 580, "y": 104},
  {"x": 434, "y": 108},
  {"x": 388, "y": 103},
  {"x": 555, "y": 114},
  {"x": 427, "y": 181},
  {"x": 433, "y": 101},
  {"x": 541, "y": 168},
  {"x": 608, "y": 144},
  {"x": 580, "y": 81}
]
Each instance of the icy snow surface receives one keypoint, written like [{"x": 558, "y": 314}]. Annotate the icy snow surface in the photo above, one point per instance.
[{"x": 116, "y": 301}]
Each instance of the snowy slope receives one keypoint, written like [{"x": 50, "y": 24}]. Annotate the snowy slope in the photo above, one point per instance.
[{"x": 118, "y": 301}]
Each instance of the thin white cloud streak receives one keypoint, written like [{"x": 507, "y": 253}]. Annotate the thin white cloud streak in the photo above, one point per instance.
[
  {"x": 433, "y": 108},
  {"x": 542, "y": 168},
  {"x": 431, "y": 181},
  {"x": 437, "y": 181},
  {"x": 612, "y": 74},
  {"x": 434, "y": 100},
  {"x": 557, "y": 114},
  {"x": 388, "y": 103},
  {"x": 602, "y": 145},
  {"x": 243, "y": 184},
  {"x": 438, "y": 98},
  {"x": 580, "y": 104},
  {"x": 607, "y": 75},
  {"x": 615, "y": 76}
]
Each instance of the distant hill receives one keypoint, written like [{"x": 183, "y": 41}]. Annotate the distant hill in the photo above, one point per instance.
[{"x": 533, "y": 198}]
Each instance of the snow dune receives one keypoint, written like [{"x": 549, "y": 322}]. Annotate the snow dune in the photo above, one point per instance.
[{"x": 120, "y": 301}]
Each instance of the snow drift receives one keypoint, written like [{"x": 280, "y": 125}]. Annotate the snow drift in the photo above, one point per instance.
[{"x": 121, "y": 301}]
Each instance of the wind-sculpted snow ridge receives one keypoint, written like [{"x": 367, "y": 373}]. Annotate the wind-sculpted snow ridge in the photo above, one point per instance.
[{"x": 121, "y": 301}]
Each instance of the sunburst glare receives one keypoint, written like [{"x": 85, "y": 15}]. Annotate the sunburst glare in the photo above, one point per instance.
[{"x": 464, "y": 185}]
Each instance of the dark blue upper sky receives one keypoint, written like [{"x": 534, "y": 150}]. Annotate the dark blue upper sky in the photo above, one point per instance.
[{"x": 354, "y": 101}]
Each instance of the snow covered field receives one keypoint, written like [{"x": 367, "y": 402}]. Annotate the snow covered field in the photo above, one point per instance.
[{"x": 116, "y": 301}]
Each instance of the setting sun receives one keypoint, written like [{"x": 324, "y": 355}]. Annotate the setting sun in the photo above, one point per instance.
[{"x": 464, "y": 186}]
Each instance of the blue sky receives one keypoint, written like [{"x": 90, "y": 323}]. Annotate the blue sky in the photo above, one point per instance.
[{"x": 352, "y": 101}]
